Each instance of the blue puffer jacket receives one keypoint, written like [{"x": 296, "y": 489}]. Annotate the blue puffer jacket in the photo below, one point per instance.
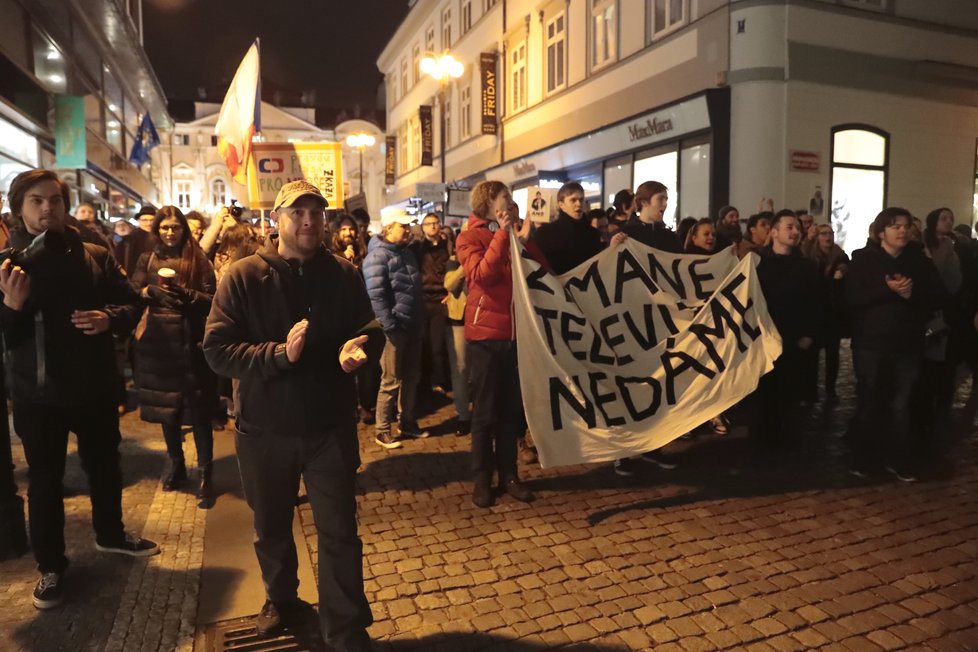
[{"x": 393, "y": 281}]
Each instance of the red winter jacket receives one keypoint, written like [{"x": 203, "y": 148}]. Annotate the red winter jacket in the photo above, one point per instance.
[{"x": 485, "y": 257}]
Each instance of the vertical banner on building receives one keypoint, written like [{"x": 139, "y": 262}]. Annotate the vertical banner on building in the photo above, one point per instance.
[
  {"x": 390, "y": 160},
  {"x": 272, "y": 165},
  {"x": 490, "y": 87},
  {"x": 69, "y": 137},
  {"x": 427, "y": 134}
]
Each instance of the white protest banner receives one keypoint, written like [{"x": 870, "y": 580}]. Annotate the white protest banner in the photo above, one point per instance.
[
  {"x": 635, "y": 347},
  {"x": 275, "y": 164}
]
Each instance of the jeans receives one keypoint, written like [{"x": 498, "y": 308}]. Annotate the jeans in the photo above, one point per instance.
[
  {"x": 43, "y": 429},
  {"x": 400, "y": 368},
  {"x": 203, "y": 440},
  {"x": 455, "y": 342},
  {"x": 497, "y": 414},
  {"x": 270, "y": 467},
  {"x": 881, "y": 426}
]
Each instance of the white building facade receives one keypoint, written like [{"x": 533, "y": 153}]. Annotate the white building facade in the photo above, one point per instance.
[{"x": 840, "y": 106}]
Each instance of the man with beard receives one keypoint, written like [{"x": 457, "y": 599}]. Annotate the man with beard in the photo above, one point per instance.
[
  {"x": 292, "y": 323},
  {"x": 347, "y": 241},
  {"x": 57, "y": 319},
  {"x": 728, "y": 227}
]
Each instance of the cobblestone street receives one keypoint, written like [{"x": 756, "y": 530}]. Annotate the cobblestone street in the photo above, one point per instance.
[{"x": 733, "y": 550}]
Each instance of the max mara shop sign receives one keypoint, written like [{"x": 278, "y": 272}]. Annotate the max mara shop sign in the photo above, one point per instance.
[{"x": 655, "y": 126}]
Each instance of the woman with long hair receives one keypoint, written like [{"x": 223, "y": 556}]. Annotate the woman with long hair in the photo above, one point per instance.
[
  {"x": 832, "y": 263},
  {"x": 176, "y": 386}
]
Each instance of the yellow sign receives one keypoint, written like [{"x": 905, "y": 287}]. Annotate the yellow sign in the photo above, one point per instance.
[{"x": 272, "y": 165}]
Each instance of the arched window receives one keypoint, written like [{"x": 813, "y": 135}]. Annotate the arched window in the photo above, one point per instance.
[
  {"x": 219, "y": 192},
  {"x": 860, "y": 164}
]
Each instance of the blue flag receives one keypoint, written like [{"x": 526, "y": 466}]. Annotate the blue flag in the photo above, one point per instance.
[{"x": 146, "y": 140}]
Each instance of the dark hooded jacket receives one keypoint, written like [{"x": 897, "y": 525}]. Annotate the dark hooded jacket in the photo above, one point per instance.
[
  {"x": 47, "y": 359},
  {"x": 793, "y": 295},
  {"x": 258, "y": 302},
  {"x": 655, "y": 234},
  {"x": 566, "y": 242},
  {"x": 175, "y": 384}
]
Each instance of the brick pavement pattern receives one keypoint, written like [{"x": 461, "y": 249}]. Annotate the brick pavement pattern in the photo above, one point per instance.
[{"x": 734, "y": 550}]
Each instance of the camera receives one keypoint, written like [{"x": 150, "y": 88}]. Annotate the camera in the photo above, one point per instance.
[
  {"x": 236, "y": 210},
  {"x": 47, "y": 246}
]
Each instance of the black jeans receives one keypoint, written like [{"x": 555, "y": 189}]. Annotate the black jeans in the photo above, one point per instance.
[
  {"x": 831, "y": 347},
  {"x": 203, "y": 440},
  {"x": 43, "y": 429},
  {"x": 884, "y": 384},
  {"x": 497, "y": 406},
  {"x": 435, "y": 361},
  {"x": 270, "y": 466},
  {"x": 775, "y": 401}
]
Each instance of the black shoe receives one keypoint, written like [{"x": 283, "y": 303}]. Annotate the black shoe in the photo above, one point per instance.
[
  {"x": 49, "y": 591},
  {"x": 901, "y": 474},
  {"x": 386, "y": 440},
  {"x": 413, "y": 430},
  {"x": 859, "y": 471},
  {"x": 624, "y": 467},
  {"x": 463, "y": 427},
  {"x": 205, "y": 491},
  {"x": 176, "y": 477},
  {"x": 130, "y": 545},
  {"x": 661, "y": 460},
  {"x": 482, "y": 491},
  {"x": 269, "y": 620},
  {"x": 516, "y": 489}
]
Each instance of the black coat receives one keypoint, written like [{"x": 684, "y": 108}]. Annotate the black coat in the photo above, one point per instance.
[
  {"x": 794, "y": 295},
  {"x": 656, "y": 235},
  {"x": 50, "y": 361},
  {"x": 881, "y": 319},
  {"x": 176, "y": 386},
  {"x": 258, "y": 302},
  {"x": 433, "y": 262},
  {"x": 128, "y": 249},
  {"x": 566, "y": 242}
]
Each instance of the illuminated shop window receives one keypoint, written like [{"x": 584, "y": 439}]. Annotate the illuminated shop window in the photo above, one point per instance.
[{"x": 860, "y": 159}]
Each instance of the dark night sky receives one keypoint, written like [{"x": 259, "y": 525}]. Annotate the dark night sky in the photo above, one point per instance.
[{"x": 329, "y": 46}]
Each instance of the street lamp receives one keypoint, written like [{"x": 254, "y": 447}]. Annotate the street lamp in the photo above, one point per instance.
[
  {"x": 361, "y": 141},
  {"x": 442, "y": 68}
]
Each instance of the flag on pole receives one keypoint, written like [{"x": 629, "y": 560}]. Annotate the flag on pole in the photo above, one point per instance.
[
  {"x": 146, "y": 140},
  {"x": 240, "y": 116}
]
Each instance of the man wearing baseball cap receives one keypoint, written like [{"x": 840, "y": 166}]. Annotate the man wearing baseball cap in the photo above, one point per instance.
[{"x": 292, "y": 323}]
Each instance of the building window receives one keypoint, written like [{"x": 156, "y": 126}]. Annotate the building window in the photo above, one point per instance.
[
  {"x": 465, "y": 116},
  {"x": 556, "y": 41},
  {"x": 860, "y": 162},
  {"x": 181, "y": 139},
  {"x": 429, "y": 39},
  {"x": 183, "y": 194},
  {"x": 448, "y": 120},
  {"x": 603, "y": 32},
  {"x": 667, "y": 15},
  {"x": 446, "y": 28},
  {"x": 404, "y": 77},
  {"x": 415, "y": 127},
  {"x": 402, "y": 146},
  {"x": 219, "y": 192},
  {"x": 416, "y": 54},
  {"x": 391, "y": 90},
  {"x": 213, "y": 140},
  {"x": 518, "y": 78},
  {"x": 466, "y": 16}
]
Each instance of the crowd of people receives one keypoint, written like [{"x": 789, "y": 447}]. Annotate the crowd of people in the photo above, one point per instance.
[{"x": 304, "y": 325}]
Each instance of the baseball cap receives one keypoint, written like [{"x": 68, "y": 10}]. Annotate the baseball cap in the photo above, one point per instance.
[
  {"x": 294, "y": 190},
  {"x": 394, "y": 214}
]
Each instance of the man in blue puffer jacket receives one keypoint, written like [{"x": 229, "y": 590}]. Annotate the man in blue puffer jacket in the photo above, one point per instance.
[{"x": 393, "y": 281}]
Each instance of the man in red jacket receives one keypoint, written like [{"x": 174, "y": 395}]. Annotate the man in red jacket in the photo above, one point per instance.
[{"x": 497, "y": 415}]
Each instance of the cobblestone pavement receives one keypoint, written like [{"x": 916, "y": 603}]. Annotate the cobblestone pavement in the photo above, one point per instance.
[
  {"x": 733, "y": 550},
  {"x": 113, "y": 602}
]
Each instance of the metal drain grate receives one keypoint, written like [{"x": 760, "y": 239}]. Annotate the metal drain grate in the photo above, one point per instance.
[{"x": 239, "y": 635}]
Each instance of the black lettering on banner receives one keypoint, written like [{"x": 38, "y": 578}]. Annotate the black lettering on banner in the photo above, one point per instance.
[
  {"x": 533, "y": 280},
  {"x": 667, "y": 318},
  {"x": 614, "y": 340},
  {"x": 548, "y": 331},
  {"x": 704, "y": 332},
  {"x": 591, "y": 275},
  {"x": 648, "y": 341},
  {"x": 672, "y": 372},
  {"x": 698, "y": 279},
  {"x": 729, "y": 291},
  {"x": 625, "y": 257},
  {"x": 572, "y": 336},
  {"x": 624, "y": 382},
  {"x": 676, "y": 280},
  {"x": 559, "y": 390},
  {"x": 596, "y": 356},
  {"x": 601, "y": 399}
]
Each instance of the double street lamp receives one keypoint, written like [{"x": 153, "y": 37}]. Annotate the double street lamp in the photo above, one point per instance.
[
  {"x": 442, "y": 68},
  {"x": 361, "y": 141}
]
